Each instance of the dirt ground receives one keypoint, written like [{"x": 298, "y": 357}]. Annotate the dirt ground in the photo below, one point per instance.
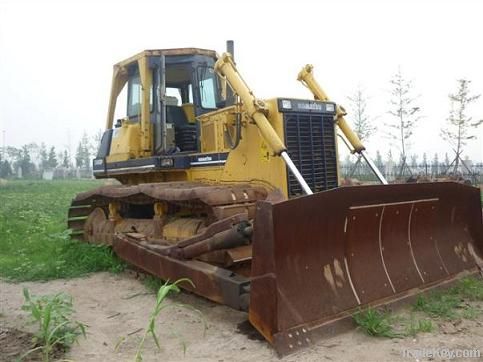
[{"x": 118, "y": 306}]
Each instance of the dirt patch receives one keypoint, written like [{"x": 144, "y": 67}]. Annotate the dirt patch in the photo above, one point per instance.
[
  {"x": 117, "y": 307},
  {"x": 15, "y": 343}
]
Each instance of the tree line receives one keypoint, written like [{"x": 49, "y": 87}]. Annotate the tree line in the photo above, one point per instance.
[{"x": 31, "y": 160}]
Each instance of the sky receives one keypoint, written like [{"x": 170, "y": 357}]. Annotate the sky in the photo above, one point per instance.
[{"x": 56, "y": 57}]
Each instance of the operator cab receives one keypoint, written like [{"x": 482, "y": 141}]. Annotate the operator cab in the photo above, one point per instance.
[{"x": 181, "y": 85}]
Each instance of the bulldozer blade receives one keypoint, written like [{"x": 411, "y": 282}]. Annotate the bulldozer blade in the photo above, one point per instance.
[{"x": 317, "y": 259}]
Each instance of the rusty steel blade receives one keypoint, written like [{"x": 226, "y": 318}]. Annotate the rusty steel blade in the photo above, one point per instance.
[{"x": 320, "y": 257}]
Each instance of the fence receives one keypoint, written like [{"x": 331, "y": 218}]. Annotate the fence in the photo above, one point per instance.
[{"x": 392, "y": 171}]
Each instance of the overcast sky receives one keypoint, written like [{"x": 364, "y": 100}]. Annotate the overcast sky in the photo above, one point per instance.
[{"x": 56, "y": 57}]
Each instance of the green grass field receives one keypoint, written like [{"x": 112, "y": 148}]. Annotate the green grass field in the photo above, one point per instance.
[{"x": 34, "y": 242}]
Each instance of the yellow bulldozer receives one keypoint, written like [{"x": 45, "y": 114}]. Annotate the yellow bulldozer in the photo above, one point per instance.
[{"x": 241, "y": 195}]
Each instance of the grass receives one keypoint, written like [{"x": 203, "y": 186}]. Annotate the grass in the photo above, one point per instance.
[
  {"x": 438, "y": 305},
  {"x": 34, "y": 242},
  {"x": 453, "y": 303},
  {"x": 416, "y": 326},
  {"x": 384, "y": 323},
  {"x": 376, "y": 323},
  {"x": 447, "y": 305},
  {"x": 153, "y": 283}
]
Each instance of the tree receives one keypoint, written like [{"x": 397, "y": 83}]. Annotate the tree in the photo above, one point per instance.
[
  {"x": 459, "y": 125},
  {"x": 405, "y": 112},
  {"x": 363, "y": 126},
  {"x": 65, "y": 159},
  {"x": 435, "y": 165},
  {"x": 379, "y": 163},
  {"x": 25, "y": 161},
  {"x": 95, "y": 142},
  {"x": 43, "y": 157},
  {"x": 79, "y": 157},
  {"x": 425, "y": 163},
  {"x": 34, "y": 152},
  {"x": 5, "y": 169},
  {"x": 446, "y": 160},
  {"x": 82, "y": 156},
  {"x": 414, "y": 161},
  {"x": 389, "y": 156},
  {"x": 52, "y": 159}
]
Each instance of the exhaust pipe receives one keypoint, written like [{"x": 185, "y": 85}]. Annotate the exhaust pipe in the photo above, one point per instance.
[{"x": 230, "y": 96}]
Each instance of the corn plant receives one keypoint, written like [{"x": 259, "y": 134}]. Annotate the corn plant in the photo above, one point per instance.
[
  {"x": 53, "y": 316},
  {"x": 161, "y": 295}
]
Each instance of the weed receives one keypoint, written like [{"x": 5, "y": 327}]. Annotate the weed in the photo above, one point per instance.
[
  {"x": 450, "y": 304},
  {"x": 379, "y": 323},
  {"x": 52, "y": 314},
  {"x": 414, "y": 326},
  {"x": 35, "y": 243},
  {"x": 470, "y": 288},
  {"x": 438, "y": 305},
  {"x": 153, "y": 283},
  {"x": 376, "y": 323},
  {"x": 470, "y": 312}
]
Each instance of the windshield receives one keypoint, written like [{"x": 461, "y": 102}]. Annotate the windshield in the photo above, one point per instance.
[{"x": 208, "y": 86}]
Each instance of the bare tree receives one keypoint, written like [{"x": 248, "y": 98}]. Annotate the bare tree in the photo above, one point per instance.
[
  {"x": 459, "y": 125},
  {"x": 405, "y": 113},
  {"x": 95, "y": 141},
  {"x": 363, "y": 124}
]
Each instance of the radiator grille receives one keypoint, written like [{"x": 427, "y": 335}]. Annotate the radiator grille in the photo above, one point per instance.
[{"x": 310, "y": 141}]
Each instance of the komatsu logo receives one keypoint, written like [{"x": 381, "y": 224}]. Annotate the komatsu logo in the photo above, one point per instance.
[
  {"x": 204, "y": 159},
  {"x": 310, "y": 106}
]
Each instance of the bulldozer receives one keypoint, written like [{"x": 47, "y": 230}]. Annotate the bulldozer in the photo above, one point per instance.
[{"x": 242, "y": 196}]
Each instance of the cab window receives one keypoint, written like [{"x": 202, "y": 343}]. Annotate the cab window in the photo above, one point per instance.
[
  {"x": 208, "y": 87},
  {"x": 134, "y": 96}
]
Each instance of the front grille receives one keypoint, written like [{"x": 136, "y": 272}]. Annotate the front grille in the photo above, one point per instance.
[{"x": 310, "y": 141}]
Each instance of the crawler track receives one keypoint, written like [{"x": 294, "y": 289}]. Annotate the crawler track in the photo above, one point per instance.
[{"x": 212, "y": 202}]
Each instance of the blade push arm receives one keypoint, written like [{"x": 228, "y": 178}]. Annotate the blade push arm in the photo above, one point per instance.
[
  {"x": 306, "y": 77},
  {"x": 256, "y": 110}
]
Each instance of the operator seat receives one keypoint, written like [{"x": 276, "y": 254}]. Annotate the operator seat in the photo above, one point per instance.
[{"x": 185, "y": 133}]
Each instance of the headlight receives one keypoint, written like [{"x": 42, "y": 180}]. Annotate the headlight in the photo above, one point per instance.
[{"x": 329, "y": 107}]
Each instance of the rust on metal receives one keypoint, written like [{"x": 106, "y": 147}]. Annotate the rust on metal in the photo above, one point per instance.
[
  {"x": 312, "y": 261},
  {"x": 318, "y": 257},
  {"x": 217, "y": 284},
  {"x": 175, "y": 191},
  {"x": 218, "y": 201}
]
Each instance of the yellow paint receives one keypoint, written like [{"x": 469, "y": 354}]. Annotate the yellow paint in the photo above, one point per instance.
[
  {"x": 182, "y": 228},
  {"x": 306, "y": 77},
  {"x": 254, "y": 161},
  {"x": 189, "y": 111},
  {"x": 125, "y": 142}
]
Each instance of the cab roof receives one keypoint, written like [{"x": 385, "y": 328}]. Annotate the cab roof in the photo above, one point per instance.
[{"x": 175, "y": 51}]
